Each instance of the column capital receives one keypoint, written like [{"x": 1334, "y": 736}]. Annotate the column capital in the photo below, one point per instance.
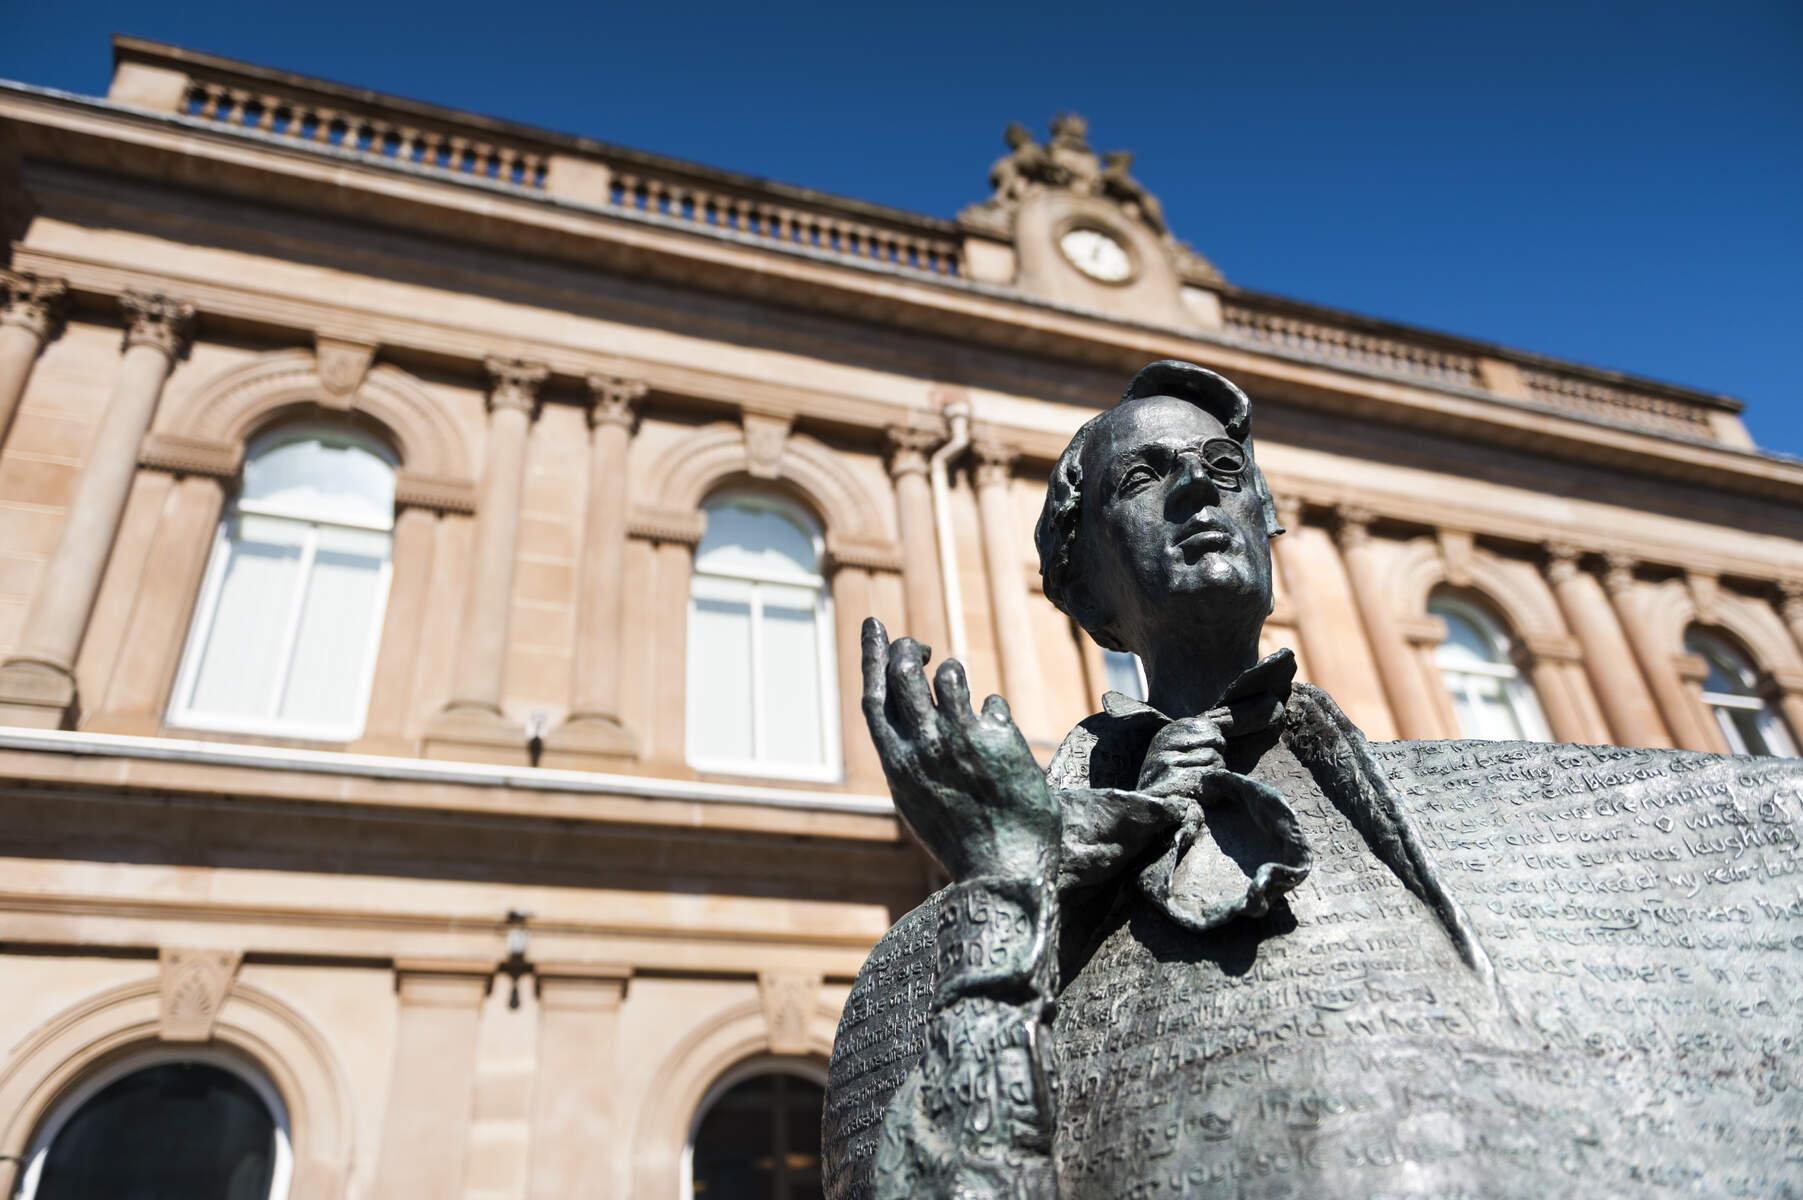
[
  {"x": 612, "y": 399},
  {"x": 153, "y": 319},
  {"x": 1352, "y": 524},
  {"x": 514, "y": 383},
  {"x": 1289, "y": 511},
  {"x": 908, "y": 447},
  {"x": 32, "y": 302},
  {"x": 1790, "y": 599},
  {"x": 1562, "y": 561},
  {"x": 1618, "y": 572},
  {"x": 995, "y": 462}
]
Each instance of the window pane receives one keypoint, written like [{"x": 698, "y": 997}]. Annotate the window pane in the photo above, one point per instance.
[
  {"x": 1465, "y": 642},
  {"x": 1751, "y": 729},
  {"x": 1497, "y": 718},
  {"x": 182, "y": 1131},
  {"x": 238, "y": 667},
  {"x": 750, "y": 540},
  {"x": 326, "y": 478},
  {"x": 331, "y": 651},
  {"x": 761, "y": 1141},
  {"x": 1122, "y": 673},
  {"x": 720, "y": 679},
  {"x": 792, "y": 716}
]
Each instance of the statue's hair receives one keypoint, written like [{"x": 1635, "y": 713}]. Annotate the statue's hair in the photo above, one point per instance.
[{"x": 1060, "y": 519}]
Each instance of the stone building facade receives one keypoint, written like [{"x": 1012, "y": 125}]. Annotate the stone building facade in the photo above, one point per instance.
[{"x": 431, "y": 557}]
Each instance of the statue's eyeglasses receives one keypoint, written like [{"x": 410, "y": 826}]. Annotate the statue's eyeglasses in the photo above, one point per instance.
[{"x": 1223, "y": 457}]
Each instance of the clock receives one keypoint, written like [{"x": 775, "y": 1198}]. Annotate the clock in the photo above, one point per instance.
[{"x": 1097, "y": 254}]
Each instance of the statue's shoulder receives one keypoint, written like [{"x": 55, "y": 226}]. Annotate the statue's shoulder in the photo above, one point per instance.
[{"x": 881, "y": 1035}]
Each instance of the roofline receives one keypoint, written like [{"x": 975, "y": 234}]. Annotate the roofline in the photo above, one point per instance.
[
  {"x": 126, "y": 47},
  {"x": 141, "y": 49}
]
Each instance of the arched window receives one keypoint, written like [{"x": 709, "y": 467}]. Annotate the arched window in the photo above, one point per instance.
[
  {"x": 760, "y": 686},
  {"x": 1125, "y": 673},
  {"x": 284, "y": 637},
  {"x": 170, "y": 1125},
  {"x": 1732, "y": 694},
  {"x": 1489, "y": 696},
  {"x": 758, "y": 1137}
]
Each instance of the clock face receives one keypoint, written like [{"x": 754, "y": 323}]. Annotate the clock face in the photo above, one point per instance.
[{"x": 1096, "y": 254}]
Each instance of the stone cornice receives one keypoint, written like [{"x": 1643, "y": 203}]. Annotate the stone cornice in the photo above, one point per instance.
[
  {"x": 679, "y": 526},
  {"x": 925, "y": 305}
]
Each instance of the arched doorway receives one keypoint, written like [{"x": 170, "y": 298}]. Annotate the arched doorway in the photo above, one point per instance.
[
  {"x": 190, "y": 1124},
  {"x": 757, "y": 1135}
]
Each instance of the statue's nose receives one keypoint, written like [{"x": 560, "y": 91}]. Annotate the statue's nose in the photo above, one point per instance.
[{"x": 1193, "y": 474}]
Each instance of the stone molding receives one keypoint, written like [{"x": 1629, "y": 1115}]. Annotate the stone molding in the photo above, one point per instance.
[
  {"x": 250, "y": 1022},
  {"x": 587, "y": 987},
  {"x": 681, "y": 526},
  {"x": 33, "y": 303},
  {"x": 157, "y": 321},
  {"x": 236, "y": 404},
  {"x": 192, "y": 986},
  {"x": 413, "y": 490},
  {"x": 514, "y": 383},
  {"x": 687, "y": 471},
  {"x": 867, "y": 556},
  {"x": 179, "y": 454}
]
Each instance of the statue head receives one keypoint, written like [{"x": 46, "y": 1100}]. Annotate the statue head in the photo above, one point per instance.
[
  {"x": 1155, "y": 535},
  {"x": 1017, "y": 135}
]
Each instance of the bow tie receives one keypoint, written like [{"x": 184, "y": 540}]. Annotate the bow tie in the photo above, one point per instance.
[{"x": 1200, "y": 883}]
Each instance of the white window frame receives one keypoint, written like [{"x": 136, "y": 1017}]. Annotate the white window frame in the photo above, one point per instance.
[
  {"x": 282, "y": 1174},
  {"x": 1139, "y": 671},
  {"x": 1519, "y": 693},
  {"x": 180, "y": 714},
  {"x": 832, "y": 769},
  {"x": 1770, "y": 727},
  {"x": 801, "y": 1068}
]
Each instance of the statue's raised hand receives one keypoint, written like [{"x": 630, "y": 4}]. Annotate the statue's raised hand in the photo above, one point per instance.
[{"x": 965, "y": 782}]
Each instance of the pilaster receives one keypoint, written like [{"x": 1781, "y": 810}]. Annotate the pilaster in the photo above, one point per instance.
[
  {"x": 577, "y": 1134},
  {"x": 1658, "y": 661},
  {"x": 908, "y": 447},
  {"x": 431, "y": 1090},
  {"x": 1008, "y": 596},
  {"x": 1397, "y": 667},
  {"x": 472, "y": 722},
  {"x": 594, "y": 735},
  {"x": 1608, "y": 658},
  {"x": 33, "y": 305},
  {"x": 37, "y": 683}
]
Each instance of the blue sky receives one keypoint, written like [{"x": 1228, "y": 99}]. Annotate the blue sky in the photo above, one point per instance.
[{"x": 1619, "y": 183}]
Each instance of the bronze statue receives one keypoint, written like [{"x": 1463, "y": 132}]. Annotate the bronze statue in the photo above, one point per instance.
[{"x": 1223, "y": 947}]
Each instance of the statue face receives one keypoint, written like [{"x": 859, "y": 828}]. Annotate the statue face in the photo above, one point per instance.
[{"x": 1170, "y": 535}]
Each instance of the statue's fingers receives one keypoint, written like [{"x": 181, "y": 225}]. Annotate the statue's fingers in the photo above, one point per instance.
[
  {"x": 996, "y": 709},
  {"x": 953, "y": 690},
  {"x": 876, "y": 661},
  {"x": 910, "y": 704}
]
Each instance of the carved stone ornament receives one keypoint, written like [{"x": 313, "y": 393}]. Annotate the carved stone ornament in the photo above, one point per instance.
[
  {"x": 193, "y": 986},
  {"x": 909, "y": 448},
  {"x": 1457, "y": 553},
  {"x": 788, "y": 1002},
  {"x": 1562, "y": 561},
  {"x": 157, "y": 321},
  {"x": 342, "y": 364},
  {"x": 613, "y": 400},
  {"x": 995, "y": 463},
  {"x": 514, "y": 383},
  {"x": 1066, "y": 162},
  {"x": 1221, "y": 945},
  {"x": 32, "y": 301},
  {"x": 766, "y": 437}
]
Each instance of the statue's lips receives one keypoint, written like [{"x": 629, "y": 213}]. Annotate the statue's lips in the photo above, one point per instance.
[{"x": 1202, "y": 539}]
